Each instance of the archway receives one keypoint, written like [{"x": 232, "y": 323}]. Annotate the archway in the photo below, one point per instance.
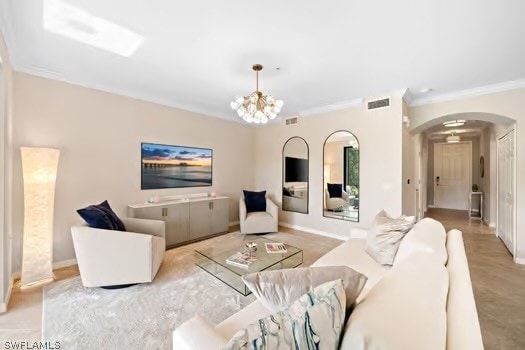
[{"x": 495, "y": 185}]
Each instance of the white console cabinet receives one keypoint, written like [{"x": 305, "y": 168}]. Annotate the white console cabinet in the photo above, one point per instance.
[{"x": 187, "y": 220}]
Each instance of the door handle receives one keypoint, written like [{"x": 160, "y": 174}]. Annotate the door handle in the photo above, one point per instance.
[{"x": 164, "y": 211}]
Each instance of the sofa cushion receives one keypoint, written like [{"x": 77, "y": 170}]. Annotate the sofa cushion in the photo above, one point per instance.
[
  {"x": 352, "y": 254},
  {"x": 258, "y": 217},
  {"x": 101, "y": 216},
  {"x": 278, "y": 289},
  {"x": 385, "y": 236},
  {"x": 255, "y": 201},
  {"x": 463, "y": 331},
  {"x": 314, "y": 321},
  {"x": 335, "y": 190},
  {"x": 405, "y": 310},
  {"x": 427, "y": 236}
]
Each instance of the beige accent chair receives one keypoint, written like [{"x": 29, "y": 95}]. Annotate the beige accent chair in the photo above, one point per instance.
[
  {"x": 260, "y": 221},
  {"x": 336, "y": 203},
  {"x": 117, "y": 259}
]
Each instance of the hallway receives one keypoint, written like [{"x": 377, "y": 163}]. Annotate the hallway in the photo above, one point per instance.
[{"x": 498, "y": 283}]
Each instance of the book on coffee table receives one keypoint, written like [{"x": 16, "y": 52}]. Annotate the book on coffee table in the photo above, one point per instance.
[
  {"x": 274, "y": 248},
  {"x": 241, "y": 260}
]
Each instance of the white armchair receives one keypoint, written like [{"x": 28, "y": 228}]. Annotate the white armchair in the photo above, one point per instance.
[
  {"x": 260, "y": 221},
  {"x": 117, "y": 259},
  {"x": 336, "y": 203}
]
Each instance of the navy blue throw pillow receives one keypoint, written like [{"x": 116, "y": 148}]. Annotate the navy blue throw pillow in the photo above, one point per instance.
[
  {"x": 255, "y": 201},
  {"x": 335, "y": 190},
  {"x": 101, "y": 216}
]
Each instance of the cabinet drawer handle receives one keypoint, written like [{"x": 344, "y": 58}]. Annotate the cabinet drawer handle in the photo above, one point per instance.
[{"x": 164, "y": 211}]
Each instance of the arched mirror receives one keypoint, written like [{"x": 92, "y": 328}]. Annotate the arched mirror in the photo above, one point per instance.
[
  {"x": 341, "y": 176},
  {"x": 295, "y": 175}
]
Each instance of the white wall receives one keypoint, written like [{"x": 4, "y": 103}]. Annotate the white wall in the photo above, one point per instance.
[
  {"x": 424, "y": 172},
  {"x": 379, "y": 135},
  {"x": 99, "y": 135},
  {"x": 499, "y": 108},
  {"x": 409, "y": 163},
  {"x": 488, "y": 182},
  {"x": 5, "y": 177}
]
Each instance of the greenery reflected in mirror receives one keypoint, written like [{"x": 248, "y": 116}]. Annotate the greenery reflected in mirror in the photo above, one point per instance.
[
  {"x": 295, "y": 175},
  {"x": 341, "y": 176}
]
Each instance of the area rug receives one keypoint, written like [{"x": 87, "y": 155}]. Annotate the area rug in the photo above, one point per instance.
[{"x": 139, "y": 317}]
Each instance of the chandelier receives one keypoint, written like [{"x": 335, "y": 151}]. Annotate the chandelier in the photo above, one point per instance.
[{"x": 256, "y": 107}]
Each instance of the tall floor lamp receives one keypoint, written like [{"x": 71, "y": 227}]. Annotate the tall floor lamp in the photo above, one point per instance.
[{"x": 39, "y": 166}]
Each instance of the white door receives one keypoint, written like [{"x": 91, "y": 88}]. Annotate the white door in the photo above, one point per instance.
[
  {"x": 452, "y": 175},
  {"x": 505, "y": 226}
]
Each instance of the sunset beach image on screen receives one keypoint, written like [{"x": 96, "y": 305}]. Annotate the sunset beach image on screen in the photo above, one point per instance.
[{"x": 165, "y": 166}]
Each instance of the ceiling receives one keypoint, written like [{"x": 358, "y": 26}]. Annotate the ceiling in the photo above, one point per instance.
[{"x": 198, "y": 54}]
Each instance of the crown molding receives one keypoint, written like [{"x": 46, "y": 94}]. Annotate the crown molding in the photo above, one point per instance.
[
  {"x": 332, "y": 107},
  {"x": 461, "y": 94},
  {"x": 48, "y": 74},
  {"x": 407, "y": 96}
]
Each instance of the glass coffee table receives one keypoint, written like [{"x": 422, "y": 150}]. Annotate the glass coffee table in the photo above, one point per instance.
[{"x": 213, "y": 260}]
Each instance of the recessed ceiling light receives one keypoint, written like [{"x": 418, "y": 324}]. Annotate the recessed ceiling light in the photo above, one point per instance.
[
  {"x": 425, "y": 90},
  {"x": 454, "y": 123},
  {"x": 77, "y": 24}
]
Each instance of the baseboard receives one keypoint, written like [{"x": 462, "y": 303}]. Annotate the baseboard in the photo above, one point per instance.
[
  {"x": 64, "y": 263},
  {"x": 520, "y": 261},
  {"x": 314, "y": 231},
  {"x": 489, "y": 224},
  {"x": 431, "y": 206},
  {"x": 3, "y": 306},
  {"x": 56, "y": 265},
  {"x": 233, "y": 223}
]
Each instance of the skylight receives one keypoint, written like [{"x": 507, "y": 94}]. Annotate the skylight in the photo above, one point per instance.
[{"x": 77, "y": 24}]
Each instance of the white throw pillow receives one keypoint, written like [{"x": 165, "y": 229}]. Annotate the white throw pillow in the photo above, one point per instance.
[
  {"x": 314, "y": 321},
  {"x": 278, "y": 289},
  {"x": 385, "y": 236}
]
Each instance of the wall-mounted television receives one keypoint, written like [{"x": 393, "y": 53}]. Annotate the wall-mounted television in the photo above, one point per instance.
[
  {"x": 165, "y": 166},
  {"x": 295, "y": 169}
]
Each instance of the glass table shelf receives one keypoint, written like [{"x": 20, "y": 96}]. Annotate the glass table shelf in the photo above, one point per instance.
[{"x": 213, "y": 260}]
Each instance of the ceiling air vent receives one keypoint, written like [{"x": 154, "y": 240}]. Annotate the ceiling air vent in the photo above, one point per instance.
[
  {"x": 385, "y": 102},
  {"x": 291, "y": 121}
]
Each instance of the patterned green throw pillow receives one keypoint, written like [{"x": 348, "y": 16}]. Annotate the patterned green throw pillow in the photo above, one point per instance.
[{"x": 314, "y": 321}]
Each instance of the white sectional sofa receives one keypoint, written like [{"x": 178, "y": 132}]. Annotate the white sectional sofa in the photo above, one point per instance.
[{"x": 425, "y": 301}]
